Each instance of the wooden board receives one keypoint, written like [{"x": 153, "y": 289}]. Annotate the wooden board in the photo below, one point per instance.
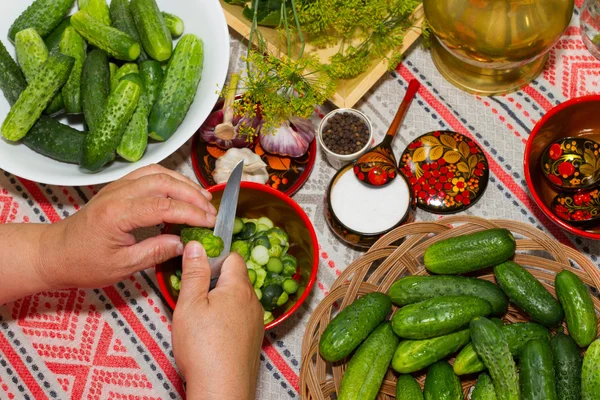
[{"x": 349, "y": 91}]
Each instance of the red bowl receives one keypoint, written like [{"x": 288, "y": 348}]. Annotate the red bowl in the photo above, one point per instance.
[
  {"x": 256, "y": 200},
  {"x": 578, "y": 117}
]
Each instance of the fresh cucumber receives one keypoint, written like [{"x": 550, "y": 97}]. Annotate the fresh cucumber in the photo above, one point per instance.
[
  {"x": 113, "y": 72},
  {"x": 367, "y": 368},
  {"x": 352, "y": 325},
  {"x": 517, "y": 335},
  {"x": 567, "y": 367},
  {"x": 537, "y": 371},
  {"x": 407, "y": 388},
  {"x": 98, "y": 9},
  {"x": 72, "y": 44},
  {"x": 441, "y": 383},
  {"x": 470, "y": 252},
  {"x": 492, "y": 347},
  {"x": 41, "y": 15},
  {"x": 152, "y": 75},
  {"x": 413, "y": 289},
  {"x": 153, "y": 31},
  {"x": 484, "y": 388},
  {"x": 12, "y": 81},
  {"x": 525, "y": 291},
  {"x": 95, "y": 86},
  {"x": 414, "y": 355},
  {"x": 579, "y": 308},
  {"x": 122, "y": 19},
  {"x": 118, "y": 44},
  {"x": 174, "y": 24},
  {"x": 590, "y": 373},
  {"x": 438, "y": 316},
  {"x": 125, "y": 69},
  {"x": 55, "y": 140},
  {"x": 53, "y": 39},
  {"x": 135, "y": 138},
  {"x": 36, "y": 97},
  {"x": 178, "y": 89},
  {"x": 101, "y": 143}
]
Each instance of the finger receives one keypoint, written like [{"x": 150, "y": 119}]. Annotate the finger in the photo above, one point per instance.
[
  {"x": 195, "y": 275},
  {"x": 150, "y": 211},
  {"x": 233, "y": 272},
  {"x": 153, "y": 251}
]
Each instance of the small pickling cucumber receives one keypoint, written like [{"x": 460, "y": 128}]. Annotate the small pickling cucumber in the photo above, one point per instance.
[
  {"x": 438, "y": 316},
  {"x": 152, "y": 74},
  {"x": 578, "y": 306},
  {"x": 53, "y": 39},
  {"x": 55, "y": 140},
  {"x": 441, "y": 383},
  {"x": 484, "y": 388},
  {"x": 567, "y": 367},
  {"x": 414, "y": 355},
  {"x": 135, "y": 139},
  {"x": 118, "y": 44},
  {"x": 407, "y": 388},
  {"x": 41, "y": 15},
  {"x": 492, "y": 347},
  {"x": 113, "y": 72},
  {"x": 101, "y": 143},
  {"x": 12, "y": 81},
  {"x": 590, "y": 373},
  {"x": 95, "y": 86},
  {"x": 122, "y": 19},
  {"x": 413, "y": 289},
  {"x": 98, "y": 9},
  {"x": 125, "y": 69},
  {"x": 352, "y": 325},
  {"x": 472, "y": 252},
  {"x": 526, "y": 292},
  {"x": 178, "y": 89},
  {"x": 153, "y": 31},
  {"x": 367, "y": 368},
  {"x": 537, "y": 371},
  {"x": 174, "y": 24},
  {"x": 72, "y": 44},
  {"x": 37, "y": 96}
]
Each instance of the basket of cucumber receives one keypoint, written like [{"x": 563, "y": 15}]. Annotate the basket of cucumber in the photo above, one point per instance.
[{"x": 463, "y": 308}]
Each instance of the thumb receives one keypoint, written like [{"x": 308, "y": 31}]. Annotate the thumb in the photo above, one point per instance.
[{"x": 195, "y": 276}]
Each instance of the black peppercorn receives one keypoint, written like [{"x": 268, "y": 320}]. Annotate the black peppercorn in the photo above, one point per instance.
[{"x": 345, "y": 133}]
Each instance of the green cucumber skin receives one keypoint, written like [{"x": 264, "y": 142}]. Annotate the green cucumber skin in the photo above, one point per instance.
[
  {"x": 178, "y": 89},
  {"x": 98, "y": 9},
  {"x": 517, "y": 335},
  {"x": 53, "y": 39},
  {"x": 122, "y": 19},
  {"x": 470, "y": 252},
  {"x": 42, "y": 15},
  {"x": 590, "y": 373},
  {"x": 174, "y": 24},
  {"x": 352, "y": 325},
  {"x": 525, "y": 291},
  {"x": 441, "y": 383},
  {"x": 72, "y": 44},
  {"x": 484, "y": 388},
  {"x": 118, "y": 44},
  {"x": 407, "y": 388},
  {"x": 567, "y": 367},
  {"x": 367, "y": 368},
  {"x": 537, "y": 371},
  {"x": 414, "y": 355},
  {"x": 578, "y": 306},
  {"x": 151, "y": 27},
  {"x": 438, "y": 316},
  {"x": 12, "y": 80},
  {"x": 95, "y": 86},
  {"x": 413, "y": 289},
  {"x": 135, "y": 138},
  {"x": 492, "y": 347},
  {"x": 152, "y": 75},
  {"x": 101, "y": 143},
  {"x": 36, "y": 97}
]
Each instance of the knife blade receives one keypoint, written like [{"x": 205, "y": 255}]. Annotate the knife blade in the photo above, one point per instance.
[{"x": 226, "y": 220}]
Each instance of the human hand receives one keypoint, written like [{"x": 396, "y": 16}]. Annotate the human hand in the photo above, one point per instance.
[
  {"x": 95, "y": 247},
  {"x": 217, "y": 335}
]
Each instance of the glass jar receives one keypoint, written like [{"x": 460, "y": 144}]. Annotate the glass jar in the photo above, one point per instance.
[{"x": 590, "y": 26}]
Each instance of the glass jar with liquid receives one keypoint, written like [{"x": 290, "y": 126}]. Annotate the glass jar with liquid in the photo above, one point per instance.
[{"x": 590, "y": 26}]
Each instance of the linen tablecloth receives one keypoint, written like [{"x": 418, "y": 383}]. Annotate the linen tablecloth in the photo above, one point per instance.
[{"x": 115, "y": 342}]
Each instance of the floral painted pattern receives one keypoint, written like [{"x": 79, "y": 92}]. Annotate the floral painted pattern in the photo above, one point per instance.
[
  {"x": 572, "y": 163},
  {"x": 447, "y": 171},
  {"x": 577, "y": 207},
  {"x": 377, "y": 167}
]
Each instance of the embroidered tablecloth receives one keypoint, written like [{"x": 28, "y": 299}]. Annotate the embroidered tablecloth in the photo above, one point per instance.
[{"x": 115, "y": 342}]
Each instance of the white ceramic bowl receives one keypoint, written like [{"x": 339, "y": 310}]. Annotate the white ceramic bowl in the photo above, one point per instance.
[
  {"x": 205, "y": 19},
  {"x": 337, "y": 161}
]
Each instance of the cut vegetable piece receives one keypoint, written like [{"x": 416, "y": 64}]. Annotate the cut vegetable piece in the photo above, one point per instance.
[
  {"x": 283, "y": 298},
  {"x": 275, "y": 265},
  {"x": 174, "y": 24},
  {"x": 290, "y": 286},
  {"x": 151, "y": 27},
  {"x": 98, "y": 9},
  {"x": 238, "y": 225},
  {"x": 41, "y": 15},
  {"x": 261, "y": 275},
  {"x": 258, "y": 293},
  {"x": 252, "y": 276},
  {"x": 260, "y": 255},
  {"x": 72, "y": 44}
]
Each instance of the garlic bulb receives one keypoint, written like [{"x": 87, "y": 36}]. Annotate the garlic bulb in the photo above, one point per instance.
[{"x": 255, "y": 170}]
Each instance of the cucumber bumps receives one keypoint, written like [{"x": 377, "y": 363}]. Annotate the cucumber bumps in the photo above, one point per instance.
[
  {"x": 154, "y": 34},
  {"x": 441, "y": 383},
  {"x": 95, "y": 86},
  {"x": 537, "y": 371},
  {"x": 42, "y": 15},
  {"x": 72, "y": 44},
  {"x": 590, "y": 374},
  {"x": 579, "y": 308},
  {"x": 567, "y": 367}
]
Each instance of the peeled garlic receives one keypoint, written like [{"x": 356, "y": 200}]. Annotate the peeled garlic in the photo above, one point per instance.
[{"x": 255, "y": 170}]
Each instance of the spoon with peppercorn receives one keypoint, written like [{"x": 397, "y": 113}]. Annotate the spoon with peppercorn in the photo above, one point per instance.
[{"x": 377, "y": 167}]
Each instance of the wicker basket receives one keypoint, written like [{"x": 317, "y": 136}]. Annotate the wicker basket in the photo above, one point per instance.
[{"x": 385, "y": 262}]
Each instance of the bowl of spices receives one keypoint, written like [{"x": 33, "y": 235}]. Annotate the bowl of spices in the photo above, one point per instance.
[
  {"x": 360, "y": 214},
  {"x": 345, "y": 134}
]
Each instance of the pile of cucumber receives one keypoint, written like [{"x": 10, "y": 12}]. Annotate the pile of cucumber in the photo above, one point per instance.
[
  {"x": 114, "y": 64},
  {"x": 445, "y": 315}
]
